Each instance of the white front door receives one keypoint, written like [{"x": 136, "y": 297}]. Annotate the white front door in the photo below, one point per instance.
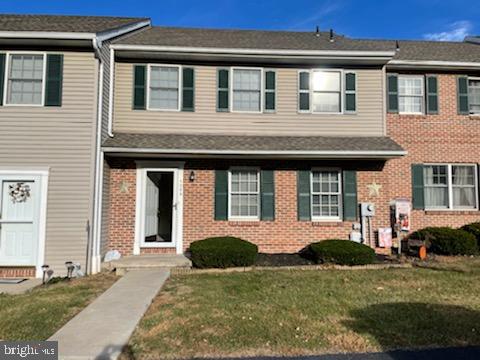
[{"x": 19, "y": 220}]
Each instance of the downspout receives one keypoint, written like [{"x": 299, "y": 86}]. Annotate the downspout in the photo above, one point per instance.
[
  {"x": 110, "y": 93},
  {"x": 94, "y": 253}
]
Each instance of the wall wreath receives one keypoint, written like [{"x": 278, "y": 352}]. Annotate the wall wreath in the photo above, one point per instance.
[{"x": 19, "y": 192}]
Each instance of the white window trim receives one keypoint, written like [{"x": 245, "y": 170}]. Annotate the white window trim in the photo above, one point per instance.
[
  {"x": 348, "y": 92},
  {"x": 8, "y": 54},
  {"x": 180, "y": 87},
  {"x": 450, "y": 187},
  {"x": 476, "y": 78},
  {"x": 229, "y": 187},
  {"x": 338, "y": 218},
  {"x": 311, "y": 91},
  {"x": 265, "y": 91},
  {"x": 422, "y": 77},
  {"x": 262, "y": 89}
]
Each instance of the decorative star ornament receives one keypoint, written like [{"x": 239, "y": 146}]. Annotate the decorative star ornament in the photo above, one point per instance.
[
  {"x": 374, "y": 189},
  {"x": 124, "y": 187}
]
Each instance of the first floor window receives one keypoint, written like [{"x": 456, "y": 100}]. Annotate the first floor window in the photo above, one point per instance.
[
  {"x": 164, "y": 88},
  {"x": 410, "y": 94},
  {"x": 326, "y": 194},
  {"x": 326, "y": 91},
  {"x": 450, "y": 186},
  {"x": 244, "y": 188},
  {"x": 25, "y": 79},
  {"x": 247, "y": 90},
  {"x": 474, "y": 95}
]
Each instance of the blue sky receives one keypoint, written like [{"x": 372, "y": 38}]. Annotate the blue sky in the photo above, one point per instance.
[{"x": 406, "y": 19}]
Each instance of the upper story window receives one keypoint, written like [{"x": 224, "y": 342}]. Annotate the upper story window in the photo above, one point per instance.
[
  {"x": 164, "y": 88},
  {"x": 410, "y": 94},
  {"x": 247, "y": 90},
  {"x": 474, "y": 95},
  {"x": 327, "y": 91},
  {"x": 25, "y": 79},
  {"x": 450, "y": 186}
]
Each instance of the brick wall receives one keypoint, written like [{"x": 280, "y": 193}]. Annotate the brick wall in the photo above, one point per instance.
[{"x": 446, "y": 137}]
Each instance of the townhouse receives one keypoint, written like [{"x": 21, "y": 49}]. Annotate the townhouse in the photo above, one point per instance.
[
  {"x": 161, "y": 136},
  {"x": 51, "y": 70}
]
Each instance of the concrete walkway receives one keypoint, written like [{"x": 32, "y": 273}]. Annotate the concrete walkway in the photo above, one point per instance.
[
  {"x": 20, "y": 288},
  {"x": 104, "y": 327}
]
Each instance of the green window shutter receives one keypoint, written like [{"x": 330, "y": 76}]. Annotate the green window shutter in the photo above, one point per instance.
[
  {"x": 221, "y": 194},
  {"x": 392, "y": 93},
  {"x": 270, "y": 87},
  {"x": 432, "y": 94},
  {"x": 350, "y": 203},
  {"x": 418, "y": 200},
  {"x": 303, "y": 195},
  {"x": 304, "y": 91},
  {"x": 350, "y": 92},
  {"x": 188, "y": 94},
  {"x": 2, "y": 76},
  {"x": 267, "y": 189},
  {"x": 462, "y": 95},
  {"x": 222, "y": 90},
  {"x": 139, "y": 87},
  {"x": 54, "y": 80}
]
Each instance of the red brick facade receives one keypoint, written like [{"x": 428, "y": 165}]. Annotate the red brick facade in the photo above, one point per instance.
[
  {"x": 444, "y": 138},
  {"x": 17, "y": 272}
]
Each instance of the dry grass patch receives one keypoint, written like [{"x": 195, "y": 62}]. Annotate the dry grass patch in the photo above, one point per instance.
[{"x": 38, "y": 314}]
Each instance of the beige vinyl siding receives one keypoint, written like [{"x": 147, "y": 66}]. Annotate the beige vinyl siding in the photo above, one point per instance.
[
  {"x": 368, "y": 120},
  {"x": 63, "y": 139}
]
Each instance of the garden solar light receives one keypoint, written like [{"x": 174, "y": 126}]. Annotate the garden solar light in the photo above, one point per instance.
[
  {"x": 69, "y": 266},
  {"x": 45, "y": 268}
]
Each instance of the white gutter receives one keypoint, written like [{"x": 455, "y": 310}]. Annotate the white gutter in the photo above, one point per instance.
[
  {"x": 428, "y": 63},
  {"x": 102, "y": 36},
  {"x": 211, "y": 50},
  {"x": 276, "y": 153},
  {"x": 110, "y": 93},
  {"x": 46, "y": 35}
]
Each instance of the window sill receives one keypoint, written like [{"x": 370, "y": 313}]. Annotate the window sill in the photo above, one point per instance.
[
  {"x": 451, "y": 212},
  {"x": 328, "y": 223},
  {"x": 244, "y": 223}
]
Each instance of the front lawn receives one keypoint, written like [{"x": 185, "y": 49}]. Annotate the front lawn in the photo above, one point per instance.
[
  {"x": 38, "y": 314},
  {"x": 306, "y": 312}
]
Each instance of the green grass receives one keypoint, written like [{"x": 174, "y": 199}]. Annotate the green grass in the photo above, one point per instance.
[
  {"x": 38, "y": 314},
  {"x": 306, "y": 312}
]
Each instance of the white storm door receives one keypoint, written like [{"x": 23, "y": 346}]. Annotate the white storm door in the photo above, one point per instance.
[
  {"x": 151, "y": 208},
  {"x": 19, "y": 220}
]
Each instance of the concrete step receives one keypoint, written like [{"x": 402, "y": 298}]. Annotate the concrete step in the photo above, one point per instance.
[{"x": 148, "y": 261}]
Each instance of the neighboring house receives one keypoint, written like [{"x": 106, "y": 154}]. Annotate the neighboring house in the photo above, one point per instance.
[
  {"x": 275, "y": 137},
  {"x": 50, "y": 71}
]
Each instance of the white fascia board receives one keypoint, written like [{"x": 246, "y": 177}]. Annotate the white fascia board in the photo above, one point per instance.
[
  {"x": 432, "y": 63},
  {"x": 102, "y": 36},
  {"x": 47, "y": 35},
  {"x": 278, "y": 153},
  {"x": 210, "y": 50}
]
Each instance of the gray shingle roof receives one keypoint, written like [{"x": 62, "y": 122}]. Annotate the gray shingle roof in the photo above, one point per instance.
[
  {"x": 297, "y": 40},
  {"x": 242, "y": 143},
  {"x": 58, "y": 23},
  {"x": 249, "y": 39}
]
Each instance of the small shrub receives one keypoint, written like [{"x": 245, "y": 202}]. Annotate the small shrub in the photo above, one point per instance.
[
  {"x": 223, "y": 252},
  {"x": 342, "y": 252},
  {"x": 447, "y": 241},
  {"x": 473, "y": 228}
]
